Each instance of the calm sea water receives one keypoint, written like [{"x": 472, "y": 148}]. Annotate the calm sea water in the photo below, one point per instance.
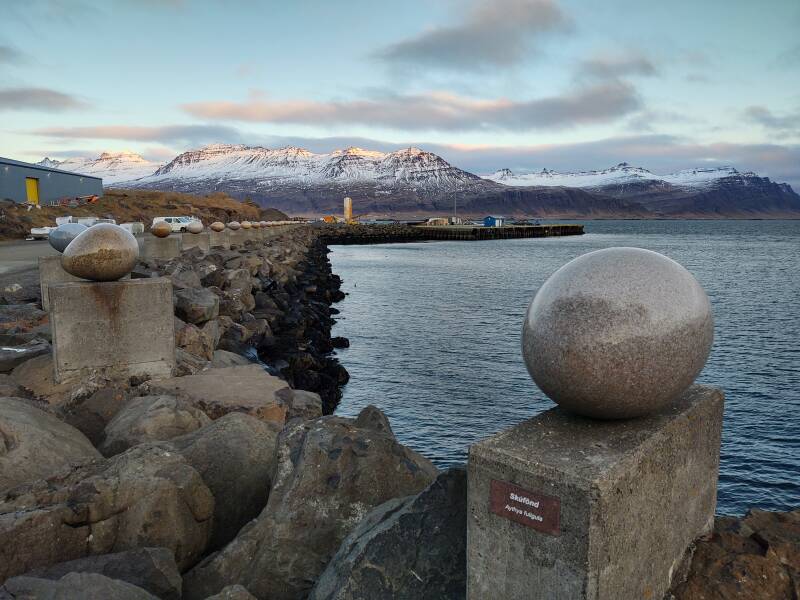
[{"x": 435, "y": 327}]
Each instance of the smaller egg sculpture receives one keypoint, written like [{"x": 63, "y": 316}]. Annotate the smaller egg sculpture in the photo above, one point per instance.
[
  {"x": 62, "y": 235},
  {"x": 195, "y": 227},
  {"x": 234, "y": 225},
  {"x": 246, "y": 224},
  {"x": 161, "y": 229},
  {"x": 217, "y": 226}
]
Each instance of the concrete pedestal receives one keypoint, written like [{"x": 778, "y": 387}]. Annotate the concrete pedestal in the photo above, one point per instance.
[
  {"x": 164, "y": 248},
  {"x": 122, "y": 328},
  {"x": 196, "y": 240},
  {"x": 50, "y": 271},
  {"x": 220, "y": 239},
  {"x": 564, "y": 507},
  {"x": 237, "y": 238}
]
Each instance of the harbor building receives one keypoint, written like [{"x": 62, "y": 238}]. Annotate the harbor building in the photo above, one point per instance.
[
  {"x": 28, "y": 183},
  {"x": 492, "y": 221}
]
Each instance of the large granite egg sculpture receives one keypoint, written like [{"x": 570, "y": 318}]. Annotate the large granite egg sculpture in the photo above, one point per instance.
[
  {"x": 617, "y": 333},
  {"x": 264, "y": 224},
  {"x": 217, "y": 226},
  {"x": 194, "y": 227},
  {"x": 103, "y": 252},
  {"x": 246, "y": 224},
  {"x": 256, "y": 224},
  {"x": 234, "y": 225},
  {"x": 62, "y": 235},
  {"x": 161, "y": 229}
]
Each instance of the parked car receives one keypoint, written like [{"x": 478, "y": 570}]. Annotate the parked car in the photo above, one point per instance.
[{"x": 177, "y": 223}]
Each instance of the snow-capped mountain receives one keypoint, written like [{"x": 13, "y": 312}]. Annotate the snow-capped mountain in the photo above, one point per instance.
[
  {"x": 415, "y": 182},
  {"x": 619, "y": 175},
  {"x": 266, "y": 168},
  {"x": 112, "y": 167},
  {"x": 711, "y": 191}
]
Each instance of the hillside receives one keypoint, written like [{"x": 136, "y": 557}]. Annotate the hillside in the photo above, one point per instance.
[{"x": 135, "y": 205}]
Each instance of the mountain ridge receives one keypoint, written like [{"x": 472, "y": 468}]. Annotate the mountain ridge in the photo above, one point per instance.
[{"x": 415, "y": 182}]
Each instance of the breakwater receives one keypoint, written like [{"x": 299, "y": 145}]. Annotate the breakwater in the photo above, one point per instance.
[
  {"x": 224, "y": 480},
  {"x": 399, "y": 233}
]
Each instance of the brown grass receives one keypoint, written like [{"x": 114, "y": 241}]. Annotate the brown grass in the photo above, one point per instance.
[{"x": 127, "y": 206}]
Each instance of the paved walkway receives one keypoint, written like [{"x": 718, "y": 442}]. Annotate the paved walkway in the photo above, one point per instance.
[{"x": 19, "y": 256}]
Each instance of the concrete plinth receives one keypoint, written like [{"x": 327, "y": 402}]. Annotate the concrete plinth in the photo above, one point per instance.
[
  {"x": 50, "y": 271},
  {"x": 565, "y": 507},
  {"x": 196, "y": 240},
  {"x": 237, "y": 238},
  {"x": 164, "y": 248},
  {"x": 122, "y": 328},
  {"x": 220, "y": 239}
]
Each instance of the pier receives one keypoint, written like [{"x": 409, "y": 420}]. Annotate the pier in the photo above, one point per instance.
[{"x": 396, "y": 233}]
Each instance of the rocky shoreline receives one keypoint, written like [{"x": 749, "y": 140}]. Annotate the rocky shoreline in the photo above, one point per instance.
[{"x": 233, "y": 479}]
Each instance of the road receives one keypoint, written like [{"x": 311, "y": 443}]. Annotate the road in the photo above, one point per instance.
[{"x": 20, "y": 256}]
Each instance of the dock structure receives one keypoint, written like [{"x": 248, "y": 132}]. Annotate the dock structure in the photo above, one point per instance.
[{"x": 397, "y": 233}]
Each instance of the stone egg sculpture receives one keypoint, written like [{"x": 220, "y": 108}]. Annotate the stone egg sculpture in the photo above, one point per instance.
[
  {"x": 264, "y": 224},
  {"x": 256, "y": 224},
  {"x": 617, "y": 333},
  {"x": 234, "y": 225},
  {"x": 195, "y": 227},
  {"x": 161, "y": 229},
  {"x": 246, "y": 224},
  {"x": 62, "y": 235},
  {"x": 103, "y": 252},
  {"x": 217, "y": 226}
]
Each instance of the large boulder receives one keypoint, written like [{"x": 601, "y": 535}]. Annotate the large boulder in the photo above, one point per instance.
[
  {"x": 37, "y": 377},
  {"x": 152, "y": 569},
  {"x": 35, "y": 444},
  {"x": 11, "y": 356},
  {"x": 223, "y": 358},
  {"x": 753, "y": 558},
  {"x": 147, "y": 496},
  {"x": 235, "y": 456},
  {"x": 196, "y": 305},
  {"x": 91, "y": 414},
  {"x": 407, "y": 548},
  {"x": 194, "y": 340},
  {"x": 73, "y": 586},
  {"x": 329, "y": 474},
  {"x": 233, "y": 592},
  {"x": 19, "y": 318},
  {"x": 248, "y": 389},
  {"x": 304, "y": 405},
  {"x": 150, "y": 419}
]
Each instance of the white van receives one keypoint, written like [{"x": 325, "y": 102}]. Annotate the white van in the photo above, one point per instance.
[{"x": 177, "y": 223}]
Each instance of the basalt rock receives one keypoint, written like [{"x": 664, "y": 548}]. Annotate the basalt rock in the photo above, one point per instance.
[
  {"x": 35, "y": 444},
  {"x": 409, "y": 548},
  {"x": 329, "y": 475},
  {"x": 144, "y": 497},
  {"x": 13, "y": 355},
  {"x": 247, "y": 389},
  {"x": 235, "y": 456},
  {"x": 152, "y": 569},
  {"x": 756, "y": 557},
  {"x": 83, "y": 586},
  {"x": 196, "y": 305},
  {"x": 150, "y": 419}
]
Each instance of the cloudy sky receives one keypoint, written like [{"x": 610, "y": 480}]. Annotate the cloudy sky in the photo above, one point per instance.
[{"x": 524, "y": 84}]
